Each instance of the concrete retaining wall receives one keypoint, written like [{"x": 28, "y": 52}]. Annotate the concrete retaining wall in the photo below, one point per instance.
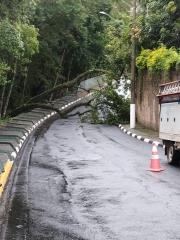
[{"x": 147, "y": 106}]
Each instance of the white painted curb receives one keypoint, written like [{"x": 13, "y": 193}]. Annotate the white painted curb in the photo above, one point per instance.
[{"x": 146, "y": 140}]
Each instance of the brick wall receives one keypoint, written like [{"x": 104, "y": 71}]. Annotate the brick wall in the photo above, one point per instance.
[{"x": 147, "y": 106}]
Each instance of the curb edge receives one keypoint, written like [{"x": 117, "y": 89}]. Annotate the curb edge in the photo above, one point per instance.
[{"x": 143, "y": 139}]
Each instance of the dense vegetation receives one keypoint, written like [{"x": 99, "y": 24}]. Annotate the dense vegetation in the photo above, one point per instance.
[
  {"x": 47, "y": 43},
  {"x": 109, "y": 107},
  {"x": 160, "y": 59},
  {"x": 159, "y": 23},
  {"x": 159, "y": 39}
]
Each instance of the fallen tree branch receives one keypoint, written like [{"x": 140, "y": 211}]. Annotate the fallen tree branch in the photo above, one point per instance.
[{"x": 72, "y": 83}]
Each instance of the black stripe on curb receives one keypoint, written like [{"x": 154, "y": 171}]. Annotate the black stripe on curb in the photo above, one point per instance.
[{"x": 147, "y": 140}]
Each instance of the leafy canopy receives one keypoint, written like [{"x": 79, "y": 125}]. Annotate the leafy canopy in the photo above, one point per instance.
[
  {"x": 29, "y": 36},
  {"x": 160, "y": 59},
  {"x": 3, "y": 73},
  {"x": 159, "y": 22},
  {"x": 11, "y": 43}
]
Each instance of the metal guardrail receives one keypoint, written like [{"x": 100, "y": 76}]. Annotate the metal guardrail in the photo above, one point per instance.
[{"x": 169, "y": 88}]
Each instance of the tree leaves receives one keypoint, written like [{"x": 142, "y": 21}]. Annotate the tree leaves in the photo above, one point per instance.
[
  {"x": 29, "y": 36},
  {"x": 11, "y": 44},
  {"x": 159, "y": 23},
  {"x": 160, "y": 59},
  {"x": 3, "y": 73}
]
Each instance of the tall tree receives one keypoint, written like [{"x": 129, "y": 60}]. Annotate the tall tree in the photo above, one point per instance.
[
  {"x": 159, "y": 22},
  {"x": 11, "y": 47},
  {"x": 71, "y": 41}
]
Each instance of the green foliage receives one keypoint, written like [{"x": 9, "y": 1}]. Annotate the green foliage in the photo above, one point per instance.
[
  {"x": 160, "y": 59},
  {"x": 18, "y": 10},
  {"x": 11, "y": 44},
  {"x": 118, "y": 45},
  {"x": 3, "y": 73},
  {"x": 4, "y": 120},
  {"x": 141, "y": 60},
  {"x": 92, "y": 117},
  {"x": 71, "y": 40},
  {"x": 111, "y": 107},
  {"x": 18, "y": 43},
  {"x": 178, "y": 61},
  {"x": 171, "y": 7},
  {"x": 29, "y": 36},
  {"x": 48, "y": 42},
  {"x": 159, "y": 22},
  {"x": 52, "y": 42}
]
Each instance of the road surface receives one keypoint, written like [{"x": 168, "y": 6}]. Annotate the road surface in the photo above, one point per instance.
[{"x": 90, "y": 182}]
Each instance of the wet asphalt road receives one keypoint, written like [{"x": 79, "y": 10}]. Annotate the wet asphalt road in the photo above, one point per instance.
[{"x": 88, "y": 182}]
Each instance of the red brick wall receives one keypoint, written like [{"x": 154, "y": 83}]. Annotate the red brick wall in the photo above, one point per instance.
[{"x": 147, "y": 106}]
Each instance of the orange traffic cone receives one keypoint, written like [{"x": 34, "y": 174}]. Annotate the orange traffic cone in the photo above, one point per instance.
[{"x": 155, "y": 162}]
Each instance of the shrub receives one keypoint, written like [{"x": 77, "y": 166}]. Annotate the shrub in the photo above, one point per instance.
[
  {"x": 160, "y": 59},
  {"x": 111, "y": 108}
]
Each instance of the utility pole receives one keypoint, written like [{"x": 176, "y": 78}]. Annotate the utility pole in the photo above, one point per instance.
[{"x": 133, "y": 69}]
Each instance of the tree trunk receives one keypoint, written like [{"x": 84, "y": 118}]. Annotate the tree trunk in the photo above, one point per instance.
[
  {"x": 55, "y": 83},
  {"x": 57, "y": 74},
  {"x": 69, "y": 72},
  {"x": 10, "y": 89},
  {"x": 2, "y": 100},
  {"x": 76, "y": 81},
  {"x": 70, "y": 68},
  {"x": 25, "y": 83}
]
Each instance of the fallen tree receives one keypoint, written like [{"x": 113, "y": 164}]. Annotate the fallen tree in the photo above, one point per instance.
[
  {"x": 75, "y": 82},
  {"x": 62, "y": 113},
  {"x": 37, "y": 101}
]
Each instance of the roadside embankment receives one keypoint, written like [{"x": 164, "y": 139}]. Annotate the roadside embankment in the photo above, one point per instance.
[{"x": 16, "y": 132}]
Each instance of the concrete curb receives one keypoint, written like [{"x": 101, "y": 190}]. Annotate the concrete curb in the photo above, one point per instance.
[
  {"x": 20, "y": 131},
  {"x": 146, "y": 140}
]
